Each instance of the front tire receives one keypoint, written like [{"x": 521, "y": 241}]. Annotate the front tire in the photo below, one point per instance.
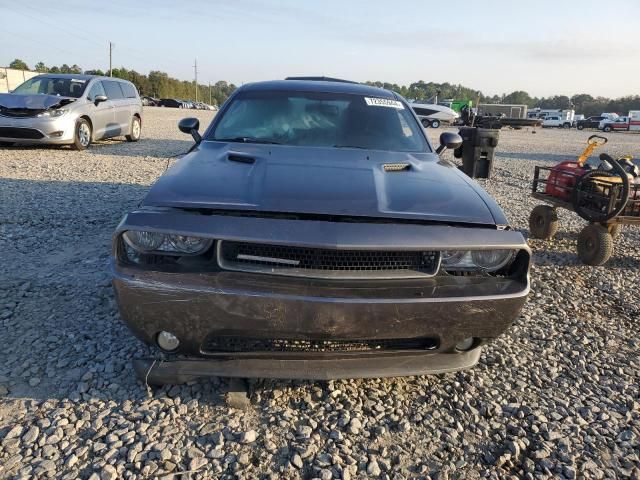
[
  {"x": 595, "y": 245},
  {"x": 435, "y": 123},
  {"x": 543, "y": 222},
  {"x": 580, "y": 127},
  {"x": 136, "y": 129},
  {"x": 607, "y": 128},
  {"x": 82, "y": 137}
]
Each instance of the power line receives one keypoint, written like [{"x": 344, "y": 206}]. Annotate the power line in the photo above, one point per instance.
[{"x": 55, "y": 25}]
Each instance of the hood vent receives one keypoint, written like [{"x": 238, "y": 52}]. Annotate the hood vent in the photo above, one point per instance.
[{"x": 396, "y": 167}]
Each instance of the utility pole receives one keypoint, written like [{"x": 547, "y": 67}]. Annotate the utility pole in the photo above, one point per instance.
[
  {"x": 195, "y": 69},
  {"x": 110, "y": 59},
  {"x": 209, "y": 93}
]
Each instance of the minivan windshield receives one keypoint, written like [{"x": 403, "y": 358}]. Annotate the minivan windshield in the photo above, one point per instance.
[
  {"x": 320, "y": 119},
  {"x": 64, "y": 87}
]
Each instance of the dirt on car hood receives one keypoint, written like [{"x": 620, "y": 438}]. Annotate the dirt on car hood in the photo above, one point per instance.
[{"x": 323, "y": 181}]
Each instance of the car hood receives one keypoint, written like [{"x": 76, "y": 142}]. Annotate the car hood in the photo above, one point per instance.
[
  {"x": 33, "y": 102},
  {"x": 323, "y": 181}
]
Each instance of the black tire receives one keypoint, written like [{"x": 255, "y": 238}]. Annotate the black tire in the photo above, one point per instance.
[
  {"x": 543, "y": 222},
  {"x": 83, "y": 135},
  {"x": 435, "y": 123},
  {"x": 589, "y": 204},
  {"x": 607, "y": 128},
  {"x": 425, "y": 123},
  {"x": 136, "y": 129},
  {"x": 566, "y": 125},
  {"x": 580, "y": 127},
  {"x": 595, "y": 245}
]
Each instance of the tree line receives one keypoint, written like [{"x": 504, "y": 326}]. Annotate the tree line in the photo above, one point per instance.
[
  {"x": 161, "y": 85},
  {"x": 155, "y": 84}
]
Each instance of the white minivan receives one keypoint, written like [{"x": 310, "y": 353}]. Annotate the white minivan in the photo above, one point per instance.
[{"x": 69, "y": 109}]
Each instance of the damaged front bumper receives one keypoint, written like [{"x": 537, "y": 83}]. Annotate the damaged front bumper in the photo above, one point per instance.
[
  {"x": 34, "y": 130},
  {"x": 240, "y": 310}
]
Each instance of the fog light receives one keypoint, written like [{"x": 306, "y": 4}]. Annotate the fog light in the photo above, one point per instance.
[
  {"x": 57, "y": 134},
  {"x": 465, "y": 344},
  {"x": 167, "y": 341}
]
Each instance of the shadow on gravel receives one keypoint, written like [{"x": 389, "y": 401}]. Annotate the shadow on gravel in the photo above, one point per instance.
[{"x": 146, "y": 147}]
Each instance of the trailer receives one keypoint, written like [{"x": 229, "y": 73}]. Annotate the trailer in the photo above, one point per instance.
[{"x": 502, "y": 109}]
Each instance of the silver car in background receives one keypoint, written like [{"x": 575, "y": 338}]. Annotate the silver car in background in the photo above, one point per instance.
[{"x": 68, "y": 109}]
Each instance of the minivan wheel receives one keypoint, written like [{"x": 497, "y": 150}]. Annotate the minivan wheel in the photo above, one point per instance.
[
  {"x": 82, "y": 138},
  {"x": 435, "y": 123},
  {"x": 136, "y": 127}
]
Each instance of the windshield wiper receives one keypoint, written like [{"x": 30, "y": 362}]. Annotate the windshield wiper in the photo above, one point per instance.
[
  {"x": 350, "y": 146},
  {"x": 248, "y": 140}
]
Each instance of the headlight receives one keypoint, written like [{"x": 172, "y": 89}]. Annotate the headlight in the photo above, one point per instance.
[
  {"x": 189, "y": 244},
  {"x": 147, "y": 242},
  {"x": 491, "y": 260},
  {"x": 53, "y": 113},
  {"x": 488, "y": 260},
  {"x": 143, "y": 241}
]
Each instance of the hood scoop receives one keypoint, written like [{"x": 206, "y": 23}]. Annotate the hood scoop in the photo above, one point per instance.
[{"x": 396, "y": 167}]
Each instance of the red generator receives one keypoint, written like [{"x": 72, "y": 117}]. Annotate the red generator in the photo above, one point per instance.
[{"x": 562, "y": 178}]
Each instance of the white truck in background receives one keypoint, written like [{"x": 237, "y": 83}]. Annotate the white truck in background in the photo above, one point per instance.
[
  {"x": 558, "y": 118},
  {"x": 629, "y": 123}
]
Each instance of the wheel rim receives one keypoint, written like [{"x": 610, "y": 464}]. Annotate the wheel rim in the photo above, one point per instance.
[
  {"x": 84, "y": 134},
  {"x": 136, "y": 129}
]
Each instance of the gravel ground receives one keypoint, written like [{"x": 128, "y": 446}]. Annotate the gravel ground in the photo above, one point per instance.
[{"x": 556, "y": 397}]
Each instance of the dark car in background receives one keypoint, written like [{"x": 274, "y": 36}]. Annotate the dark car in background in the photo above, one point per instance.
[
  {"x": 171, "y": 103},
  {"x": 314, "y": 232},
  {"x": 149, "y": 101},
  {"x": 590, "y": 122}
]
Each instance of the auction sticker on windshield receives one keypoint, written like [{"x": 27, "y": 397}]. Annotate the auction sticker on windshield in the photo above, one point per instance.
[{"x": 383, "y": 102}]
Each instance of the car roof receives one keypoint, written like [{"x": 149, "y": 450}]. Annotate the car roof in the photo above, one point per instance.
[
  {"x": 319, "y": 86},
  {"x": 80, "y": 76}
]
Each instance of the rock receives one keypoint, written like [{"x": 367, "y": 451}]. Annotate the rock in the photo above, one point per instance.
[
  {"x": 108, "y": 473},
  {"x": 248, "y": 437},
  {"x": 373, "y": 469},
  {"x": 296, "y": 461}
]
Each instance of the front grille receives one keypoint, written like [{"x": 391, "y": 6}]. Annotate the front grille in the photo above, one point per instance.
[
  {"x": 19, "y": 112},
  {"x": 229, "y": 344},
  {"x": 16, "y": 132},
  {"x": 326, "y": 263}
]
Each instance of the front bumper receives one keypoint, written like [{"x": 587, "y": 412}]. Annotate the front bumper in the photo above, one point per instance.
[
  {"x": 224, "y": 304},
  {"x": 36, "y": 130}
]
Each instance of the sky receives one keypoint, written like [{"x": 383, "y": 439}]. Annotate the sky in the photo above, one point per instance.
[{"x": 560, "y": 47}]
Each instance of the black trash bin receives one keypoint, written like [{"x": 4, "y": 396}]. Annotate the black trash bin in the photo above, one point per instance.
[{"x": 478, "y": 145}]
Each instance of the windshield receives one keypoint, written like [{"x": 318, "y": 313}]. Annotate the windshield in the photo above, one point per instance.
[
  {"x": 320, "y": 119},
  {"x": 64, "y": 87}
]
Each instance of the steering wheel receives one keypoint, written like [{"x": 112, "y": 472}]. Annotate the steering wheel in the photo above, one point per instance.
[{"x": 591, "y": 201}]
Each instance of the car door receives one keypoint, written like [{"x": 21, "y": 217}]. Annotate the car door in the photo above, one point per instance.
[
  {"x": 121, "y": 110},
  {"x": 100, "y": 113}
]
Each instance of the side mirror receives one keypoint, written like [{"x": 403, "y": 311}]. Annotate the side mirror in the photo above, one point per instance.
[
  {"x": 191, "y": 126},
  {"x": 449, "y": 140},
  {"x": 99, "y": 99}
]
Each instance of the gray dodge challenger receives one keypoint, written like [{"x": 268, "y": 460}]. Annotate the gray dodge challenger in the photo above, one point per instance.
[{"x": 313, "y": 232}]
